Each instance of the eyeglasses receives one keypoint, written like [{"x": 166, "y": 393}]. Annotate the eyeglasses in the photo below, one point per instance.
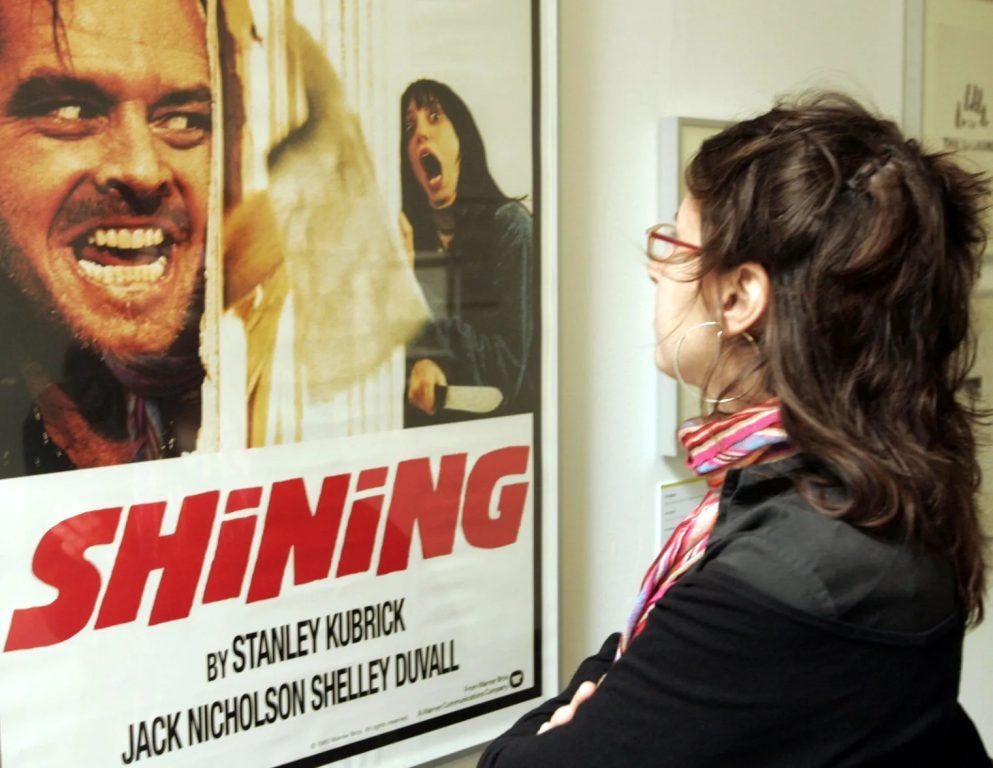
[{"x": 662, "y": 242}]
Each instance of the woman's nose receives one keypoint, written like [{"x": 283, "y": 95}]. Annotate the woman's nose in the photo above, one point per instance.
[{"x": 421, "y": 127}]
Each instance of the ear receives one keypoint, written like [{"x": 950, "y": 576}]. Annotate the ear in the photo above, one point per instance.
[{"x": 745, "y": 293}]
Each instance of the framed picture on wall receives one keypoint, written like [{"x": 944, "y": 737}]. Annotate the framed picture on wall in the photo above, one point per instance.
[{"x": 277, "y": 428}]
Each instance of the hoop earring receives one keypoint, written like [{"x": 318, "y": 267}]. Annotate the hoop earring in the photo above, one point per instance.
[{"x": 720, "y": 339}]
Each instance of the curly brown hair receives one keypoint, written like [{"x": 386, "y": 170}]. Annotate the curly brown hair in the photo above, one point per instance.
[{"x": 872, "y": 247}]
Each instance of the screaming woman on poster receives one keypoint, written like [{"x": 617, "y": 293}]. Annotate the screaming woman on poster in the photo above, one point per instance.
[
  {"x": 473, "y": 253},
  {"x": 810, "y": 611}
]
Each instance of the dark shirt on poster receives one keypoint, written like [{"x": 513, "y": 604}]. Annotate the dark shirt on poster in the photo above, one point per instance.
[
  {"x": 63, "y": 405},
  {"x": 100, "y": 404}
]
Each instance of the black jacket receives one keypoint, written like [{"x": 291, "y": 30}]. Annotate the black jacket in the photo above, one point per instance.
[{"x": 798, "y": 641}]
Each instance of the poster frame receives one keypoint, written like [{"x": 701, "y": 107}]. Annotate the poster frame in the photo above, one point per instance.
[{"x": 458, "y": 735}]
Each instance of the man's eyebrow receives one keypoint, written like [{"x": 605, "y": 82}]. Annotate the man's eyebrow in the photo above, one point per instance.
[
  {"x": 199, "y": 95},
  {"x": 39, "y": 90}
]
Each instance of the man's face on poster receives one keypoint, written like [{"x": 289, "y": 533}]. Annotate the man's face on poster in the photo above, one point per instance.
[{"x": 105, "y": 164}]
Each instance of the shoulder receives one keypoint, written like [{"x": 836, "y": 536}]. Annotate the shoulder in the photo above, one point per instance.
[
  {"x": 772, "y": 540},
  {"x": 514, "y": 218},
  {"x": 491, "y": 222}
]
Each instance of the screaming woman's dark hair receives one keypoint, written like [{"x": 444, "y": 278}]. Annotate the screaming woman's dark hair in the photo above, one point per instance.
[{"x": 872, "y": 247}]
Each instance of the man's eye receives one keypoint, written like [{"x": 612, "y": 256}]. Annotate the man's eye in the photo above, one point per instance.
[
  {"x": 67, "y": 119},
  {"x": 69, "y": 112},
  {"x": 183, "y": 129},
  {"x": 177, "y": 123}
]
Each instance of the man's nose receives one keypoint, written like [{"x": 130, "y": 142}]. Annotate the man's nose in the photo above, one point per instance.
[{"x": 133, "y": 165}]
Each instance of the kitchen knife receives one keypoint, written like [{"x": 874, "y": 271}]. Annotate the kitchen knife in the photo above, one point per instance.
[{"x": 468, "y": 399}]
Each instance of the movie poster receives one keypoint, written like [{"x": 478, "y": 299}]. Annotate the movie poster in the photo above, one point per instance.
[{"x": 270, "y": 420}]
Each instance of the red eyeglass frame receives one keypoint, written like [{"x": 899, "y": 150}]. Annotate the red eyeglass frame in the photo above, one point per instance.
[{"x": 654, "y": 234}]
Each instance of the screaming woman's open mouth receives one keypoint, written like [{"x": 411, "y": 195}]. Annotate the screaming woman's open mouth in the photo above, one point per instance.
[
  {"x": 123, "y": 256},
  {"x": 431, "y": 165}
]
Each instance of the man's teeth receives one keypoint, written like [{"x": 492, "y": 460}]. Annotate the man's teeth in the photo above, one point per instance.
[
  {"x": 128, "y": 239},
  {"x": 118, "y": 274}
]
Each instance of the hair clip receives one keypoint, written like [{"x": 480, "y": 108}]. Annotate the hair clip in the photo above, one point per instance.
[
  {"x": 870, "y": 168},
  {"x": 857, "y": 180}
]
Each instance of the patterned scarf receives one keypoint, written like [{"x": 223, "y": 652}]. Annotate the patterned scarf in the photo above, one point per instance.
[{"x": 753, "y": 435}]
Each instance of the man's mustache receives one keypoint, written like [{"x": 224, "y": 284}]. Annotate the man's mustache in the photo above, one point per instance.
[{"x": 95, "y": 207}]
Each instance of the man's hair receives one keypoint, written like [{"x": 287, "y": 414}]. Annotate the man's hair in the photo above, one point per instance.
[
  {"x": 872, "y": 247},
  {"x": 59, "y": 41},
  {"x": 476, "y": 186}
]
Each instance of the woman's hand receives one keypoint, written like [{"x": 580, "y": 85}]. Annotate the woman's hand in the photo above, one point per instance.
[
  {"x": 424, "y": 377},
  {"x": 565, "y": 713}
]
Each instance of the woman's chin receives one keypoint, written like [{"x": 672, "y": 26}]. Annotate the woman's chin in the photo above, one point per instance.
[{"x": 664, "y": 364}]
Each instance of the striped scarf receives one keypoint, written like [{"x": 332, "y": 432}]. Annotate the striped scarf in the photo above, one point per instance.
[{"x": 747, "y": 437}]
